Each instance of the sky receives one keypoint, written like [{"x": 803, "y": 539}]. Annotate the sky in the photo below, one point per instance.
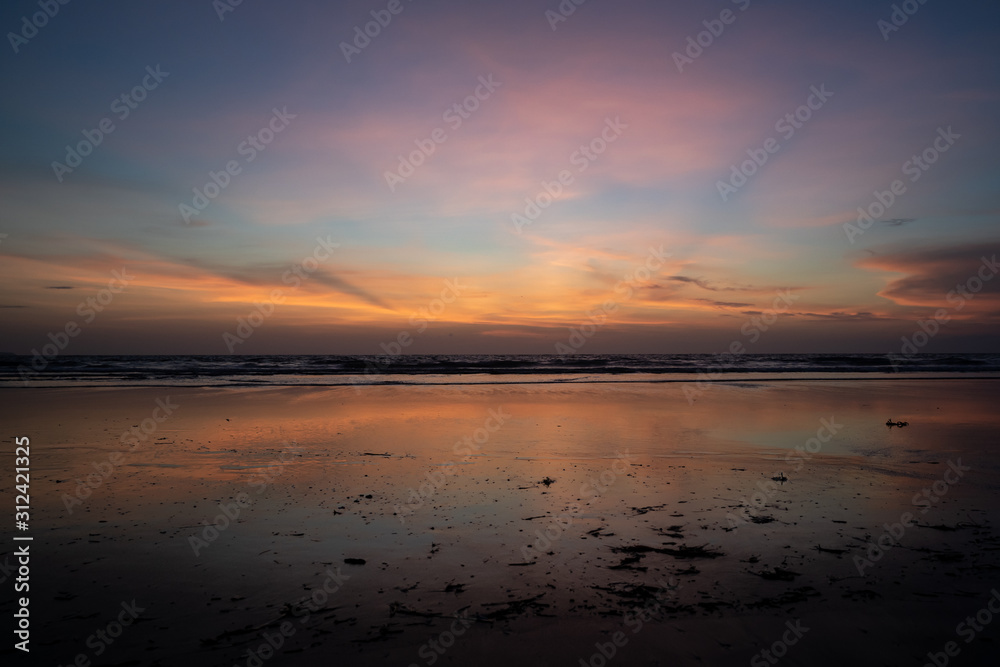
[{"x": 199, "y": 177}]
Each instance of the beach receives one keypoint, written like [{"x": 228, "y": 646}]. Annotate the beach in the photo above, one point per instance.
[
  {"x": 472, "y": 334},
  {"x": 749, "y": 522}
]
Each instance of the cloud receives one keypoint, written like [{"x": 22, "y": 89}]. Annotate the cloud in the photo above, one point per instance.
[
  {"x": 59, "y": 287},
  {"x": 266, "y": 274},
  {"x": 842, "y": 316},
  {"x": 931, "y": 273},
  {"x": 725, "y": 304},
  {"x": 704, "y": 284},
  {"x": 346, "y": 287},
  {"x": 898, "y": 222}
]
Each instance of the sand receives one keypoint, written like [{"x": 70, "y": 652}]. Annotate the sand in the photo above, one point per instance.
[{"x": 559, "y": 524}]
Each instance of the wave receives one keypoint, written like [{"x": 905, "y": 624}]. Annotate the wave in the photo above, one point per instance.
[{"x": 284, "y": 369}]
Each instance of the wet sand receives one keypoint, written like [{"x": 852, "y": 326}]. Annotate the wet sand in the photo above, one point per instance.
[{"x": 541, "y": 524}]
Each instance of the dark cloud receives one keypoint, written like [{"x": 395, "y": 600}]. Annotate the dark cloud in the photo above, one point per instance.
[
  {"x": 842, "y": 316},
  {"x": 346, "y": 287},
  {"x": 59, "y": 287},
  {"x": 702, "y": 284},
  {"x": 898, "y": 222},
  {"x": 270, "y": 274},
  {"x": 930, "y": 273},
  {"x": 724, "y": 304}
]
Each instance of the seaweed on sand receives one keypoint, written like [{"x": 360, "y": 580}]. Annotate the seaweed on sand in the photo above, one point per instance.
[
  {"x": 681, "y": 552},
  {"x": 777, "y": 574}
]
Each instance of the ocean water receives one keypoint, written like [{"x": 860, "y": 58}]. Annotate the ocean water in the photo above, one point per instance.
[{"x": 333, "y": 370}]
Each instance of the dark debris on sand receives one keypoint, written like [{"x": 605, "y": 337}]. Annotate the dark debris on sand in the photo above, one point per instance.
[
  {"x": 512, "y": 608},
  {"x": 777, "y": 574},
  {"x": 787, "y": 598},
  {"x": 671, "y": 531},
  {"x": 681, "y": 552},
  {"x": 629, "y": 563},
  {"x": 382, "y": 633},
  {"x": 820, "y": 548},
  {"x": 638, "y": 511},
  {"x": 505, "y": 610}
]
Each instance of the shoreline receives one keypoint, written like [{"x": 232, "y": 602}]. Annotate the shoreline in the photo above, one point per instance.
[{"x": 389, "y": 383}]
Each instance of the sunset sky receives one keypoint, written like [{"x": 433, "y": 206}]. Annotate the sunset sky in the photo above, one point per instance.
[{"x": 660, "y": 134}]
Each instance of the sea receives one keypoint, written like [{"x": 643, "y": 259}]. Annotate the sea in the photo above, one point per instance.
[{"x": 339, "y": 370}]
